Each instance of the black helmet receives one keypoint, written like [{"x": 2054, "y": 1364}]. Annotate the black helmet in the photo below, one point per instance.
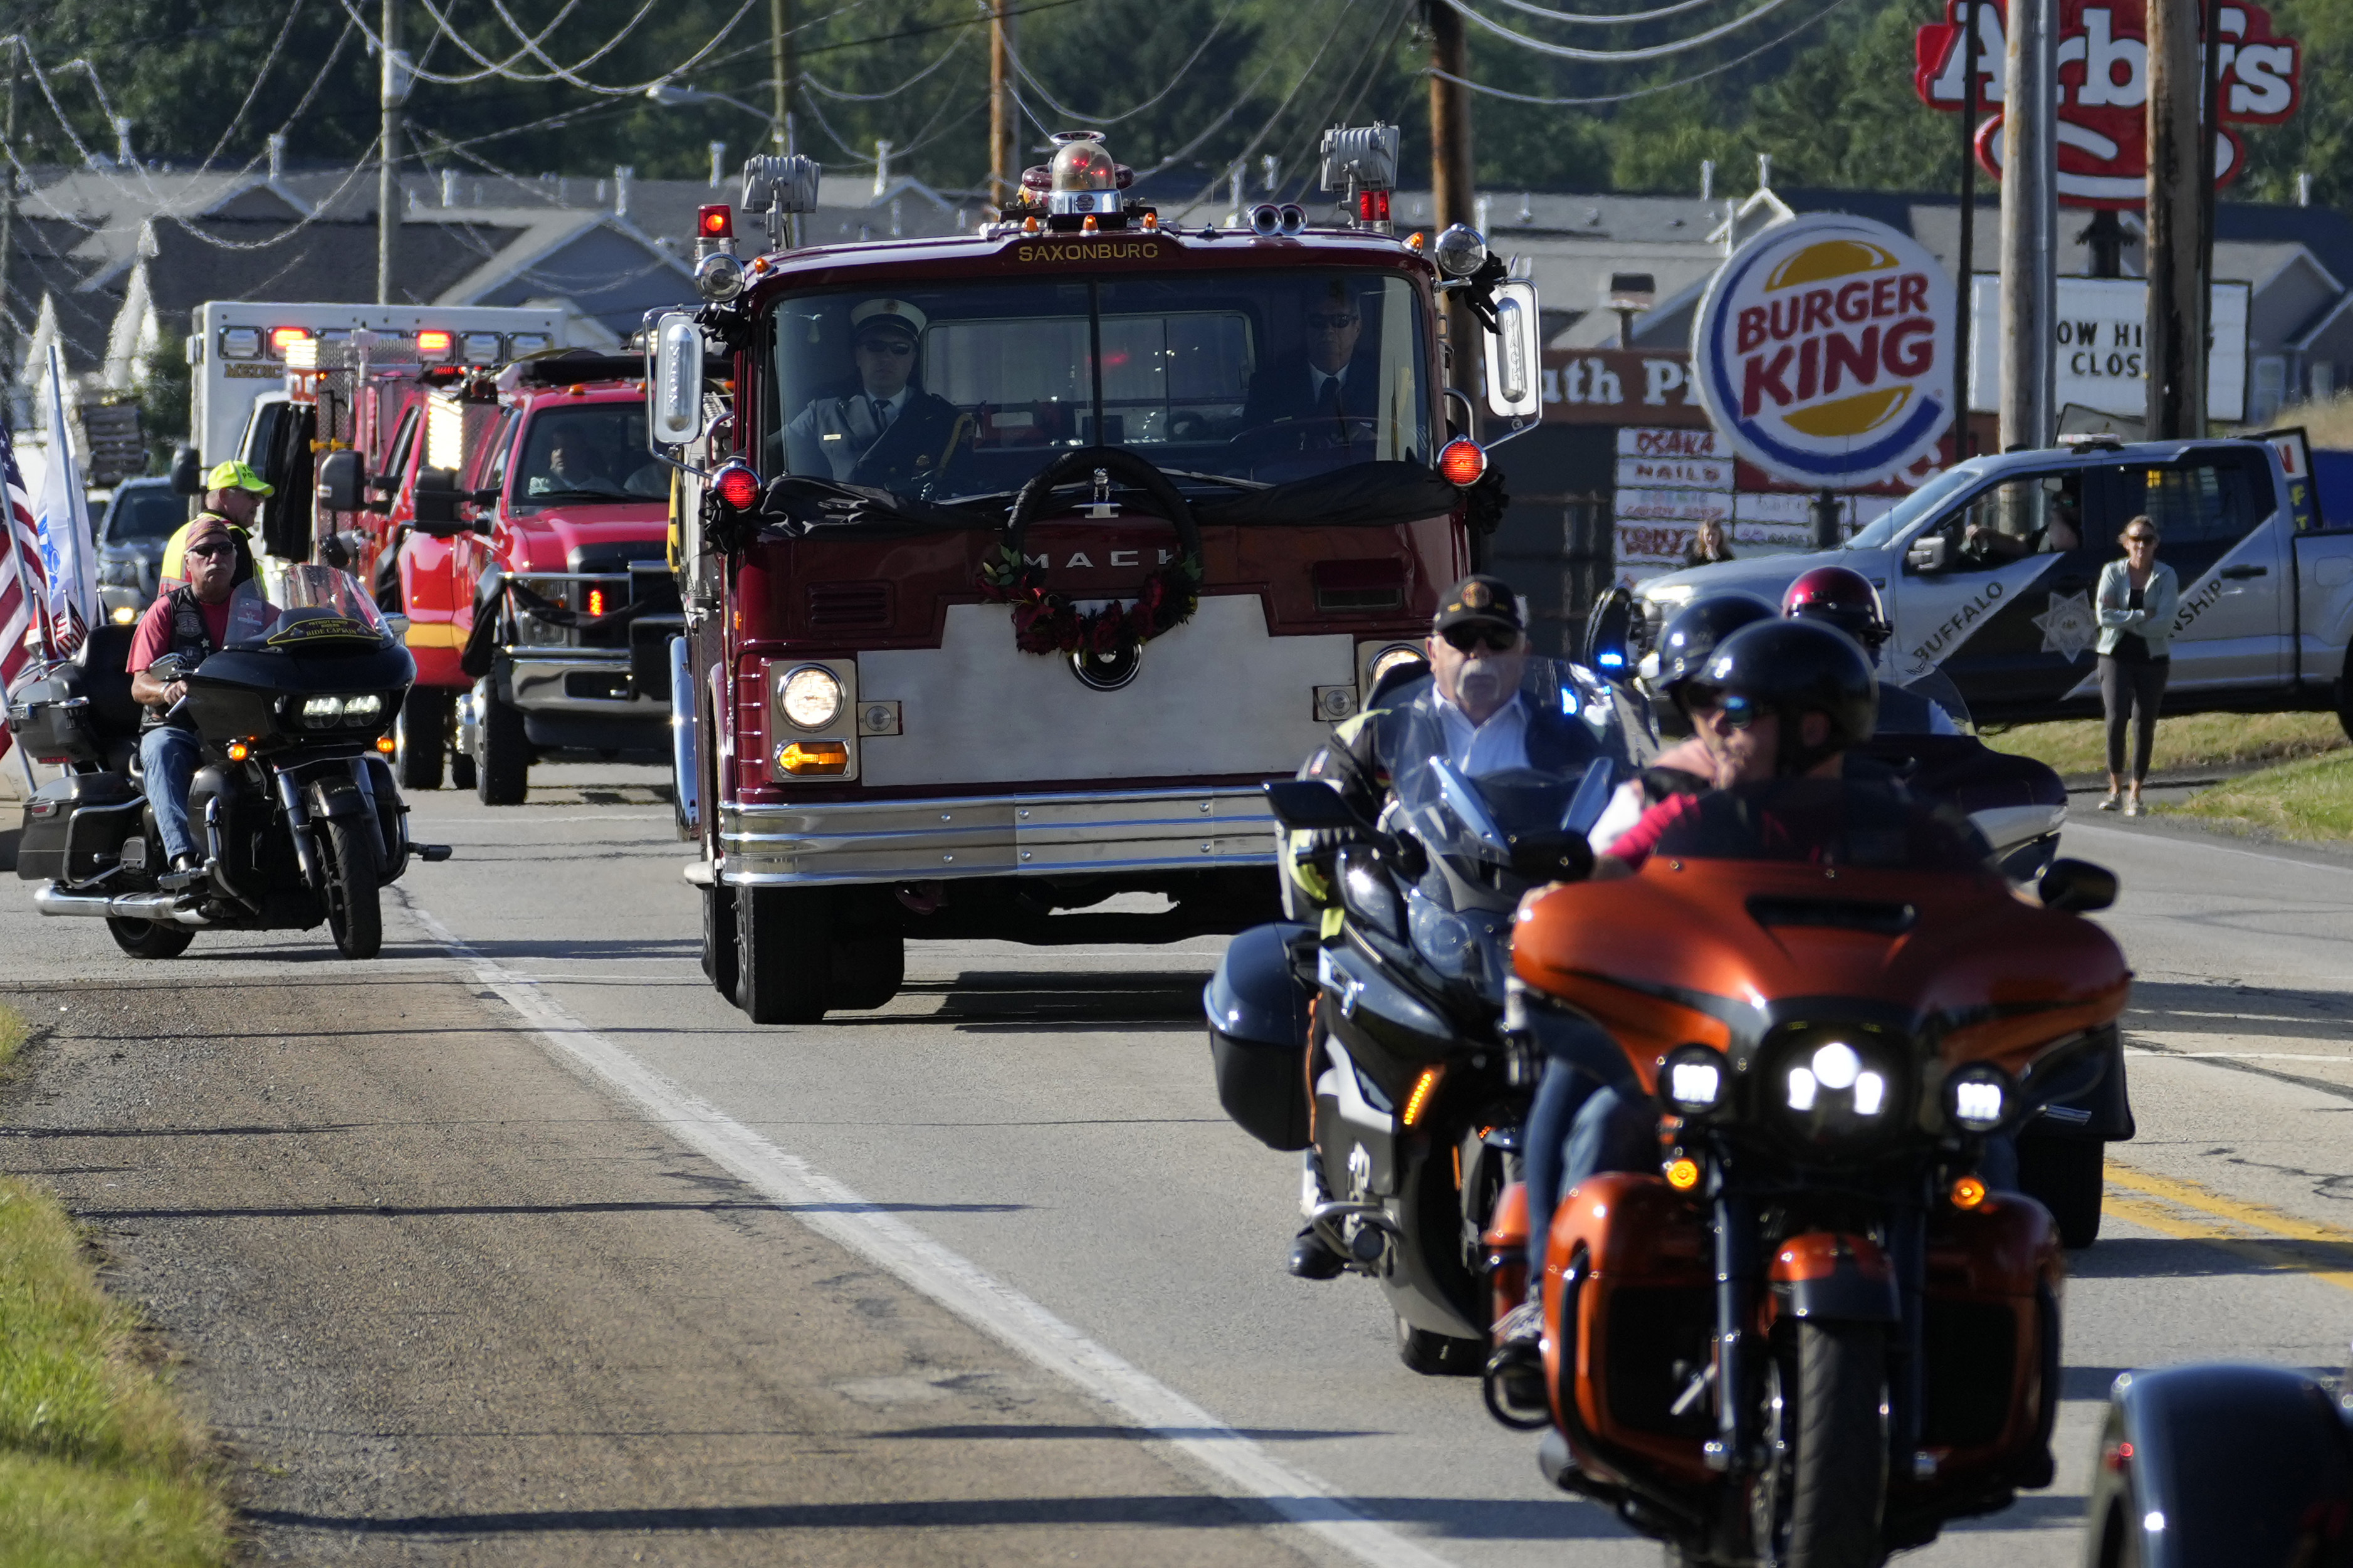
[
  {"x": 1791, "y": 668},
  {"x": 1697, "y": 628}
]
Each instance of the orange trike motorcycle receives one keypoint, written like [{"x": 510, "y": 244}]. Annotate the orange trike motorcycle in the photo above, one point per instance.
[{"x": 1810, "y": 1334}]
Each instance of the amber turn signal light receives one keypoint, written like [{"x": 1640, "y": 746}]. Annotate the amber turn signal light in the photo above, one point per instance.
[
  {"x": 1969, "y": 1193},
  {"x": 1684, "y": 1174},
  {"x": 801, "y": 758},
  {"x": 386, "y": 744},
  {"x": 1423, "y": 1088}
]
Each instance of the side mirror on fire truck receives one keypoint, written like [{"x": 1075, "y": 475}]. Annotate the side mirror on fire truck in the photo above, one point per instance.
[
  {"x": 1516, "y": 353},
  {"x": 674, "y": 374},
  {"x": 437, "y": 496},
  {"x": 188, "y": 473},
  {"x": 340, "y": 474}
]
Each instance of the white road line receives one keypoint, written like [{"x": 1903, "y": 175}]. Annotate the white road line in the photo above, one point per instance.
[
  {"x": 2167, "y": 838},
  {"x": 834, "y": 1211}
]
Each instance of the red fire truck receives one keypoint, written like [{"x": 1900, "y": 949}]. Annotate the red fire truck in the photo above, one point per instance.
[
  {"x": 523, "y": 531},
  {"x": 1013, "y": 563}
]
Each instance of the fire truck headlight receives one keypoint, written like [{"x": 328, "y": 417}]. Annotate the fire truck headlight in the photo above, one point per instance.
[
  {"x": 810, "y": 697},
  {"x": 719, "y": 277},
  {"x": 1460, "y": 251}
]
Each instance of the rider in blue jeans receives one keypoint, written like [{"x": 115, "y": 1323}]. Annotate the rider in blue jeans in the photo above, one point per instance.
[{"x": 192, "y": 621}]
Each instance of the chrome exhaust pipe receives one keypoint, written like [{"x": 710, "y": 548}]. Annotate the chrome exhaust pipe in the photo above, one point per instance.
[{"x": 52, "y": 899}]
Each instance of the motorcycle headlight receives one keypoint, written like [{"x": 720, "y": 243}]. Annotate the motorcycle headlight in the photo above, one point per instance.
[
  {"x": 1977, "y": 1097},
  {"x": 1694, "y": 1078},
  {"x": 333, "y": 712},
  {"x": 1444, "y": 937},
  {"x": 1366, "y": 892},
  {"x": 1834, "y": 1088}
]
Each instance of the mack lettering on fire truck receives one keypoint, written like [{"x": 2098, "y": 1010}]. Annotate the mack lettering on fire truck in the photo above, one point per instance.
[
  {"x": 1014, "y": 562},
  {"x": 512, "y": 520}
]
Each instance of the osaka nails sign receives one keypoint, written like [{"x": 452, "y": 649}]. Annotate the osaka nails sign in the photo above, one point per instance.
[
  {"x": 2103, "y": 89},
  {"x": 1823, "y": 352}
]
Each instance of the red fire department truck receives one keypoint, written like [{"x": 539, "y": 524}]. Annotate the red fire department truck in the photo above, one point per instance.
[
  {"x": 525, "y": 527},
  {"x": 1013, "y": 563}
]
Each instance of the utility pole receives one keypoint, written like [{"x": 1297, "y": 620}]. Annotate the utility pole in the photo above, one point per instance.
[
  {"x": 9, "y": 342},
  {"x": 780, "y": 67},
  {"x": 2029, "y": 222},
  {"x": 387, "y": 180},
  {"x": 1965, "y": 259},
  {"x": 1453, "y": 197},
  {"x": 2174, "y": 341},
  {"x": 1002, "y": 125}
]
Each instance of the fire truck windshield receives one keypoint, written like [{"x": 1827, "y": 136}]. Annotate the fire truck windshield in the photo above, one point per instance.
[
  {"x": 587, "y": 455},
  {"x": 968, "y": 389}
]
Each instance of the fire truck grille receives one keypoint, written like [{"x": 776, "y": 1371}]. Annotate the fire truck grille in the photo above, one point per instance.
[{"x": 848, "y": 606}]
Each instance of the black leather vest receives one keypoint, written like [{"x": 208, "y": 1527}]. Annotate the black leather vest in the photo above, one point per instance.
[{"x": 189, "y": 636}]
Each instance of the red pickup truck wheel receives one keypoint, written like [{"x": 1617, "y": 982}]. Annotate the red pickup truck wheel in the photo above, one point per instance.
[{"x": 422, "y": 735}]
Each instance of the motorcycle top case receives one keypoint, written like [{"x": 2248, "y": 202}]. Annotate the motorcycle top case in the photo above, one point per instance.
[
  {"x": 50, "y": 815},
  {"x": 1257, "y": 1035}
]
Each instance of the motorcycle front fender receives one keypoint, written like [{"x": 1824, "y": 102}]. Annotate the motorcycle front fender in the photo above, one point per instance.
[{"x": 1835, "y": 1277}]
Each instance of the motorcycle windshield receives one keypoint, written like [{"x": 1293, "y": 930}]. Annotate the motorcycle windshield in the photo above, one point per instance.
[
  {"x": 1823, "y": 822},
  {"x": 1472, "y": 790},
  {"x": 1916, "y": 706},
  {"x": 304, "y": 603}
]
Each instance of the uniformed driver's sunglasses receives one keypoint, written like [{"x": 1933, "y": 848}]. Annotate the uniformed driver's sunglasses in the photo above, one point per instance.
[
  {"x": 1494, "y": 639},
  {"x": 1737, "y": 710},
  {"x": 902, "y": 347}
]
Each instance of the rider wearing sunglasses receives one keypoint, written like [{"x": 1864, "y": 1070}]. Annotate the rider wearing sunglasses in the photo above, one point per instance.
[
  {"x": 879, "y": 427},
  {"x": 192, "y": 620}
]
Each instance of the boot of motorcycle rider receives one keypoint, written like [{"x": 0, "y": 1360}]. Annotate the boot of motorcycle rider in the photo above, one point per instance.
[
  {"x": 1478, "y": 649},
  {"x": 191, "y": 621},
  {"x": 1774, "y": 700}
]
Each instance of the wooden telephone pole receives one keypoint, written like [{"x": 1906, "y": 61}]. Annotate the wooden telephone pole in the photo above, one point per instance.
[
  {"x": 2175, "y": 339},
  {"x": 780, "y": 68},
  {"x": 2030, "y": 223},
  {"x": 387, "y": 168},
  {"x": 1003, "y": 127},
  {"x": 1453, "y": 198}
]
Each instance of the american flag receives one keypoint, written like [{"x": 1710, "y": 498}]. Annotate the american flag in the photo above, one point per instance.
[{"x": 21, "y": 586}]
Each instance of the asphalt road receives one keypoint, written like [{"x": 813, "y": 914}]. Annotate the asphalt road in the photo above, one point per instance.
[{"x": 576, "y": 1260}]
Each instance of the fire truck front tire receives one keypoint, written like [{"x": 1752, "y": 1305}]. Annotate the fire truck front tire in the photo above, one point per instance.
[
  {"x": 503, "y": 756},
  {"x": 783, "y": 961},
  {"x": 420, "y": 735},
  {"x": 719, "y": 965}
]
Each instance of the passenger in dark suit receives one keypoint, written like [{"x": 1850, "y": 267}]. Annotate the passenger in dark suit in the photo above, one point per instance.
[{"x": 1325, "y": 377}]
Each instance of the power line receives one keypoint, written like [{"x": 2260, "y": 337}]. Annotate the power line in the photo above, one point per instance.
[
  {"x": 1550, "y": 15},
  {"x": 954, "y": 47},
  {"x": 1644, "y": 91},
  {"x": 1077, "y": 117},
  {"x": 1616, "y": 57}
]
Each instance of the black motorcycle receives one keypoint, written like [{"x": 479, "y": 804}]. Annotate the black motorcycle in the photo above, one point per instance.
[
  {"x": 293, "y": 808},
  {"x": 1378, "y": 1045}
]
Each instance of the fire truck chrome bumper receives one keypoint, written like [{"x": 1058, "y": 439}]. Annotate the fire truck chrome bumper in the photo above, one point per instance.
[
  {"x": 572, "y": 681},
  {"x": 1026, "y": 835}
]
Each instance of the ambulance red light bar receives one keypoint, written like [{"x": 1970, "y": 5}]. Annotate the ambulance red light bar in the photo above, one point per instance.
[
  {"x": 715, "y": 223},
  {"x": 284, "y": 338},
  {"x": 435, "y": 343},
  {"x": 1462, "y": 462}
]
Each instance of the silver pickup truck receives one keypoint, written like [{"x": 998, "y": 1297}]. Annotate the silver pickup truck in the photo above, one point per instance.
[{"x": 1987, "y": 573}]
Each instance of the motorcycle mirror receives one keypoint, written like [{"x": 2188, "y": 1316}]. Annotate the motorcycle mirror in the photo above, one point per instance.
[
  {"x": 1568, "y": 858},
  {"x": 2077, "y": 887},
  {"x": 188, "y": 473},
  {"x": 1309, "y": 805},
  {"x": 1608, "y": 648},
  {"x": 1592, "y": 798}
]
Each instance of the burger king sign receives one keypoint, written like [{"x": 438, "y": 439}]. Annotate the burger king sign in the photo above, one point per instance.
[{"x": 1823, "y": 352}]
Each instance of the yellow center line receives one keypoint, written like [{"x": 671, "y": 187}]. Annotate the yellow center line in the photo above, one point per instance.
[{"x": 2189, "y": 1211}]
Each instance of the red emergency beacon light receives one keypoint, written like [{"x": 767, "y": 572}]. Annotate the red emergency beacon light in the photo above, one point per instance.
[
  {"x": 715, "y": 223},
  {"x": 1372, "y": 206},
  {"x": 284, "y": 338},
  {"x": 738, "y": 487},
  {"x": 1462, "y": 461},
  {"x": 434, "y": 342}
]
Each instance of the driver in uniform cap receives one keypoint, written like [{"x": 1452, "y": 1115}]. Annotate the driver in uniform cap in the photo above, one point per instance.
[{"x": 879, "y": 428}]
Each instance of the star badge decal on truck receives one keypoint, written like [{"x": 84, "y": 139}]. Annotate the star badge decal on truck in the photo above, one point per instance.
[{"x": 2068, "y": 627}]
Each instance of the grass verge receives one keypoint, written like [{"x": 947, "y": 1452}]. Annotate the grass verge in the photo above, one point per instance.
[
  {"x": 2311, "y": 799},
  {"x": 2193, "y": 740},
  {"x": 99, "y": 1464}
]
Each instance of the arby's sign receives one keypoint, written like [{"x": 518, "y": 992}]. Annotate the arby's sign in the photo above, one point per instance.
[{"x": 2103, "y": 89}]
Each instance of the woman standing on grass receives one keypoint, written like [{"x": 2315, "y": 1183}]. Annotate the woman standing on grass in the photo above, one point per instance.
[{"x": 2136, "y": 599}]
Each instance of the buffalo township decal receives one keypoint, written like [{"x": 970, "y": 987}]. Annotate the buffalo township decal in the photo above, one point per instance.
[
  {"x": 1823, "y": 352},
  {"x": 2069, "y": 628}
]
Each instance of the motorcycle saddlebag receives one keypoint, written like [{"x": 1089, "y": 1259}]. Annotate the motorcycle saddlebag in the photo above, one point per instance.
[
  {"x": 1257, "y": 1035},
  {"x": 50, "y": 815},
  {"x": 52, "y": 720}
]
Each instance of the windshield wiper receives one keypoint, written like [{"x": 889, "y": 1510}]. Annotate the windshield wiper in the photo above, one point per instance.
[
  {"x": 544, "y": 498},
  {"x": 1217, "y": 479}
]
